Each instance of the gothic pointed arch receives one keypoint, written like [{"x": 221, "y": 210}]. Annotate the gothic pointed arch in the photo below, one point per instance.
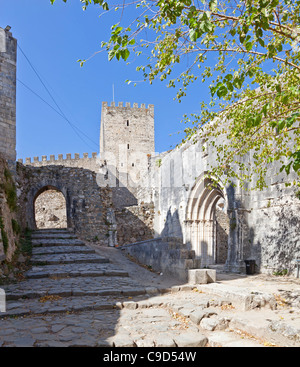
[{"x": 206, "y": 208}]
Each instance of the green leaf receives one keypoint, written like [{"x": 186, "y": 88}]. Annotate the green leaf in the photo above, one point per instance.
[
  {"x": 259, "y": 33},
  {"x": 213, "y": 4},
  {"x": 296, "y": 166},
  {"x": 111, "y": 55},
  {"x": 232, "y": 32},
  {"x": 249, "y": 46},
  {"x": 125, "y": 54},
  {"x": 105, "y": 6},
  {"x": 222, "y": 91},
  {"x": 288, "y": 168},
  {"x": 278, "y": 88},
  {"x": 261, "y": 42},
  {"x": 194, "y": 35},
  {"x": 281, "y": 125}
]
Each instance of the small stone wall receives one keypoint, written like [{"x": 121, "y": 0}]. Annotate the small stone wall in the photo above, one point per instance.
[{"x": 165, "y": 255}]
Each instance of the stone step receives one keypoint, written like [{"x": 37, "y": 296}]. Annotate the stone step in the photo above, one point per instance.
[
  {"x": 56, "y": 242},
  {"x": 67, "y": 259},
  {"x": 62, "y": 250},
  {"x": 74, "y": 270},
  {"x": 75, "y": 273},
  {"x": 241, "y": 297},
  {"x": 35, "y": 236},
  {"x": 52, "y": 230},
  {"x": 73, "y": 286},
  {"x": 55, "y": 304},
  {"x": 70, "y": 292}
]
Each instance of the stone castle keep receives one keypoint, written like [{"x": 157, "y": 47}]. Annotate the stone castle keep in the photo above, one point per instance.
[{"x": 158, "y": 207}]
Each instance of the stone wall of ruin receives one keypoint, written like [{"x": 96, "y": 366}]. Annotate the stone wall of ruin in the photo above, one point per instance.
[
  {"x": 86, "y": 202},
  {"x": 9, "y": 235},
  {"x": 8, "y": 60},
  {"x": 263, "y": 225}
]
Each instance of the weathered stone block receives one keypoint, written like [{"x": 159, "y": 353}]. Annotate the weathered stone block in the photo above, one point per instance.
[{"x": 201, "y": 276}]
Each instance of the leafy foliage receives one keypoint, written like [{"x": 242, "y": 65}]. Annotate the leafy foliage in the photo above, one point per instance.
[
  {"x": 87, "y": 2},
  {"x": 252, "y": 119}
]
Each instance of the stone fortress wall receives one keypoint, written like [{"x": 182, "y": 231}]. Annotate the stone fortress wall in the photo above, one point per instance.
[
  {"x": 91, "y": 163},
  {"x": 173, "y": 199}
]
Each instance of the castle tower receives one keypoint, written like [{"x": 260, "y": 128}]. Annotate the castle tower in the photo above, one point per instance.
[
  {"x": 127, "y": 139},
  {"x": 8, "y": 65}
]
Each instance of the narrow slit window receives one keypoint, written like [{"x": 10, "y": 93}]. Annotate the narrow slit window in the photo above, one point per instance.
[
  {"x": 127, "y": 122},
  {"x": 127, "y": 146},
  {"x": 132, "y": 164}
]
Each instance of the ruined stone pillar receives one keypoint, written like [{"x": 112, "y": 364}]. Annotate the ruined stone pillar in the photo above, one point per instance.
[{"x": 8, "y": 64}]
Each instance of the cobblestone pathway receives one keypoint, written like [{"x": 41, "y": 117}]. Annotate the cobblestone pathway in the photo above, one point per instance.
[{"x": 73, "y": 296}]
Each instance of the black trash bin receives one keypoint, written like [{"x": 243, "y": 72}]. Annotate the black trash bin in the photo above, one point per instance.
[{"x": 250, "y": 267}]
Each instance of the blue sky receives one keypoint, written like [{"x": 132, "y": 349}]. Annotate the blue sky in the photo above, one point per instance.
[{"x": 53, "y": 38}]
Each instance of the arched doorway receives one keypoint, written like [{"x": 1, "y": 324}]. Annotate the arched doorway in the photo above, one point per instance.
[
  {"x": 207, "y": 223},
  {"x": 50, "y": 208}
]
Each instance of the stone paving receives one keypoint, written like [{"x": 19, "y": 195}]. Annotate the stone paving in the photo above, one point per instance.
[{"x": 71, "y": 298}]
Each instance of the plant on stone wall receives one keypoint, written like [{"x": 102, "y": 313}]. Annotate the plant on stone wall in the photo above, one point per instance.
[
  {"x": 248, "y": 51},
  {"x": 232, "y": 223},
  {"x": 158, "y": 162},
  {"x": 4, "y": 236},
  {"x": 9, "y": 189},
  {"x": 15, "y": 226},
  {"x": 282, "y": 272}
]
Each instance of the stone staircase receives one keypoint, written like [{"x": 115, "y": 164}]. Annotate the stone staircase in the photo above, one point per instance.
[
  {"x": 72, "y": 296},
  {"x": 63, "y": 266}
]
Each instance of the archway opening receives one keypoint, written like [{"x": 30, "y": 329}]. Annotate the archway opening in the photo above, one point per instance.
[
  {"x": 50, "y": 208},
  {"x": 207, "y": 223}
]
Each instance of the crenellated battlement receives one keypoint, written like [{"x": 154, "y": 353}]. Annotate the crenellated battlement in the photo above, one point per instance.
[
  {"x": 128, "y": 105},
  {"x": 68, "y": 161},
  {"x": 60, "y": 158}
]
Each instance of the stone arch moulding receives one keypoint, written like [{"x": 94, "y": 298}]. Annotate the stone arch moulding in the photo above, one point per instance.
[
  {"x": 47, "y": 187},
  {"x": 200, "y": 223}
]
